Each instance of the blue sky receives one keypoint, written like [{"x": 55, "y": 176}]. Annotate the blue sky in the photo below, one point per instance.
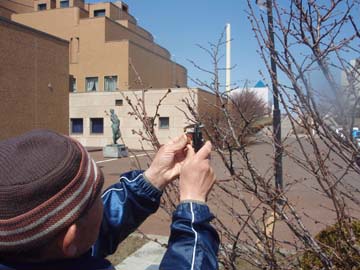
[{"x": 180, "y": 25}]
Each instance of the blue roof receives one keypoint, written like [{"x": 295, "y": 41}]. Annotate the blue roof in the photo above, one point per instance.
[{"x": 259, "y": 84}]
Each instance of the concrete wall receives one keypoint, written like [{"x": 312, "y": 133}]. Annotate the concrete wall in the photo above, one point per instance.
[
  {"x": 6, "y": 13},
  {"x": 62, "y": 23},
  {"x": 116, "y": 31},
  {"x": 15, "y": 6},
  {"x": 134, "y": 27},
  {"x": 103, "y": 47},
  {"x": 94, "y": 105},
  {"x": 72, "y": 3},
  {"x": 34, "y": 81},
  {"x": 155, "y": 71},
  {"x": 50, "y": 4},
  {"x": 99, "y": 59},
  {"x": 205, "y": 104}
]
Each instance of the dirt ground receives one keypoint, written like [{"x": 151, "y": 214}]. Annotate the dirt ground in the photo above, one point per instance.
[{"x": 300, "y": 187}]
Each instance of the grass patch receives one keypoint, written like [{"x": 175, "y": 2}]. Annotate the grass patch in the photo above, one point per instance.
[
  {"x": 241, "y": 265},
  {"x": 244, "y": 265},
  {"x": 126, "y": 248},
  {"x": 264, "y": 121}
]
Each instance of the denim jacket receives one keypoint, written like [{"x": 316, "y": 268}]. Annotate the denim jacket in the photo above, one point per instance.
[{"x": 193, "y": 243}]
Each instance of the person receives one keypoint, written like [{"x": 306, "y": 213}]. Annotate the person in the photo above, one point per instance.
[
  {"x": 53, "y": 215},
  {"x": 115, "y": 126}
]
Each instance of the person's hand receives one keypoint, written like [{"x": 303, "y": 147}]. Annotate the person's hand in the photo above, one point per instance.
[
  {"x": 196, "y": 175},
  {"x": 167, "y": 162}
]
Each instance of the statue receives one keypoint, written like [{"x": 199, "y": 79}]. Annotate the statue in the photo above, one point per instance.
[
  {"x": 115, "y": 126},
  {"x": 115, "y": 150}
]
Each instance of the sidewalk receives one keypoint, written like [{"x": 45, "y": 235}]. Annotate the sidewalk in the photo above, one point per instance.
[{"x": 148, "y": 257}]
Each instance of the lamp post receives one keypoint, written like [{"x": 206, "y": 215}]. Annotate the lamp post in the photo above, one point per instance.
[{"x": 267, "y": 4}]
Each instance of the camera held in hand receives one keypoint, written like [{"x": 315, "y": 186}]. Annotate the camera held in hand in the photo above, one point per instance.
[{"x": 194, "y": 134}]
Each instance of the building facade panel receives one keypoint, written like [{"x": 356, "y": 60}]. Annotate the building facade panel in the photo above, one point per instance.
[
  {"x": 57, "y": 22},
  {"x": 97, "y": 105},
  {"x": 7, "y": 8},
  {"x": 34, "y": 81},
  {"x": 154, "y": 71},
  {"x": 93, "y": 53},
  {"x": 116, "y": 31}
]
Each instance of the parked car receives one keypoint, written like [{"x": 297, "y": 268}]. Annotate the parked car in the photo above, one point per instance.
[
  {"x": 340, "y": 132},
  {"x": 356, "y": 137}
]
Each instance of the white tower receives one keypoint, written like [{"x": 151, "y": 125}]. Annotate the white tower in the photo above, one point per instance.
[{"x": 228, "y": 58}]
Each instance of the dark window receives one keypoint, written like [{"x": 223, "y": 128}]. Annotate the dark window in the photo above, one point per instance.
[
  {"x": 118, "y": 102},
  {"x": 73, "y": 85},
  {"x": 163, "y": 122},
  {"x": 64, "y": 3},
  {"x": 97, "y": 125},
  {"x": 110, "y": 83},
  {"x": 99, "y": 13},
  {"x": 92, "y": 84},
  {"x": 41, "y": 6},
  {"x": 77, "y": 125}
]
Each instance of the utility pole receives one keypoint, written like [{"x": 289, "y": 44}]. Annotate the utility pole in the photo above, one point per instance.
[{"x": 276, "y": 110}]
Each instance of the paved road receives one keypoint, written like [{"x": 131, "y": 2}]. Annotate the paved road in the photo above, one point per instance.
[{"x": 300, "y": 187}]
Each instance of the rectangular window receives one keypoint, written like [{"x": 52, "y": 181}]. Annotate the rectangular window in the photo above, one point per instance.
[
  {"x": 64, "y": 4},
  {"x": 77, "y": 125},
  {"x": 42, "y": 6},
  {"x": 118, "y": 102},
  {"x": 110, "y": 83},
  {"x": 99, "y": 13},
  {"x": 164, "y": 122},
  {"x": 97, "y": 125},
  {"x": 73, "y": 85},
  {"x": 92, "y": 84}
]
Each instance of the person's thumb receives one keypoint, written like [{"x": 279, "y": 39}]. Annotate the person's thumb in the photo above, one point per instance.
[
  {"x": 178, "y": 143},
  {"x": 204, "y": 151},
  {"x": 190, "y": 153}
]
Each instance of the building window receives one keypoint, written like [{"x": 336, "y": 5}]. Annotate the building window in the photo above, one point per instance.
[
  {"x": 99, "y": 13},
  {"x": 164, "y": 122},
  {"x": 110, "y": 83},
  {"x": 42, "y": 6},
  {"x": 97, "y": 125},
  {"x": 73, "y": 85},
  {"x": 64, "y": 4},
  {"x": 92, "y": 84},
  {"x": 118, "y": 102},
  {"x": 77, "y": 125}
]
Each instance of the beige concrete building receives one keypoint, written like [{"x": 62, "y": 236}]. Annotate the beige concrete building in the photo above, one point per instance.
[
  {"x": 108, "y": 50},
  {"x": 109, "y": 57},
  {"x": 34, "y": 80},
  {"x": 91, "y": 125}
]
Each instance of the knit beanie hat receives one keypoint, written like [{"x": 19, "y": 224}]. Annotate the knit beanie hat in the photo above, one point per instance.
[{"x": 47, "y": 181}]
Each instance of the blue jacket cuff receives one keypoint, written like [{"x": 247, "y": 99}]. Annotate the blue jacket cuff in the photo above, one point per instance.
[
  {"x": 137, "y": 180},
  {"x": 189, "y": 210}
]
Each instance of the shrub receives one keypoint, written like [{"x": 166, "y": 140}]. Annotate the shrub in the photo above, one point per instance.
[{"x": 342, "y": 254}]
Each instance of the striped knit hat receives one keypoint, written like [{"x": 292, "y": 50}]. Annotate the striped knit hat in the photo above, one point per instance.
[{"x": 47, "y": 181}]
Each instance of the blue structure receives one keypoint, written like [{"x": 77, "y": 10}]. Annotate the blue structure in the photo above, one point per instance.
[{"x": 259, "y": 84}]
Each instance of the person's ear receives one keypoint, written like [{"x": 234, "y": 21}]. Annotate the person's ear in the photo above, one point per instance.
[{"x": 67, "y": 241}]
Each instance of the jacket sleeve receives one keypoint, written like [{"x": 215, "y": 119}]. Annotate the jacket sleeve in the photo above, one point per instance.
[
  {"x": 193, "y": 243},
  {"x": 126, "y": 205}
]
